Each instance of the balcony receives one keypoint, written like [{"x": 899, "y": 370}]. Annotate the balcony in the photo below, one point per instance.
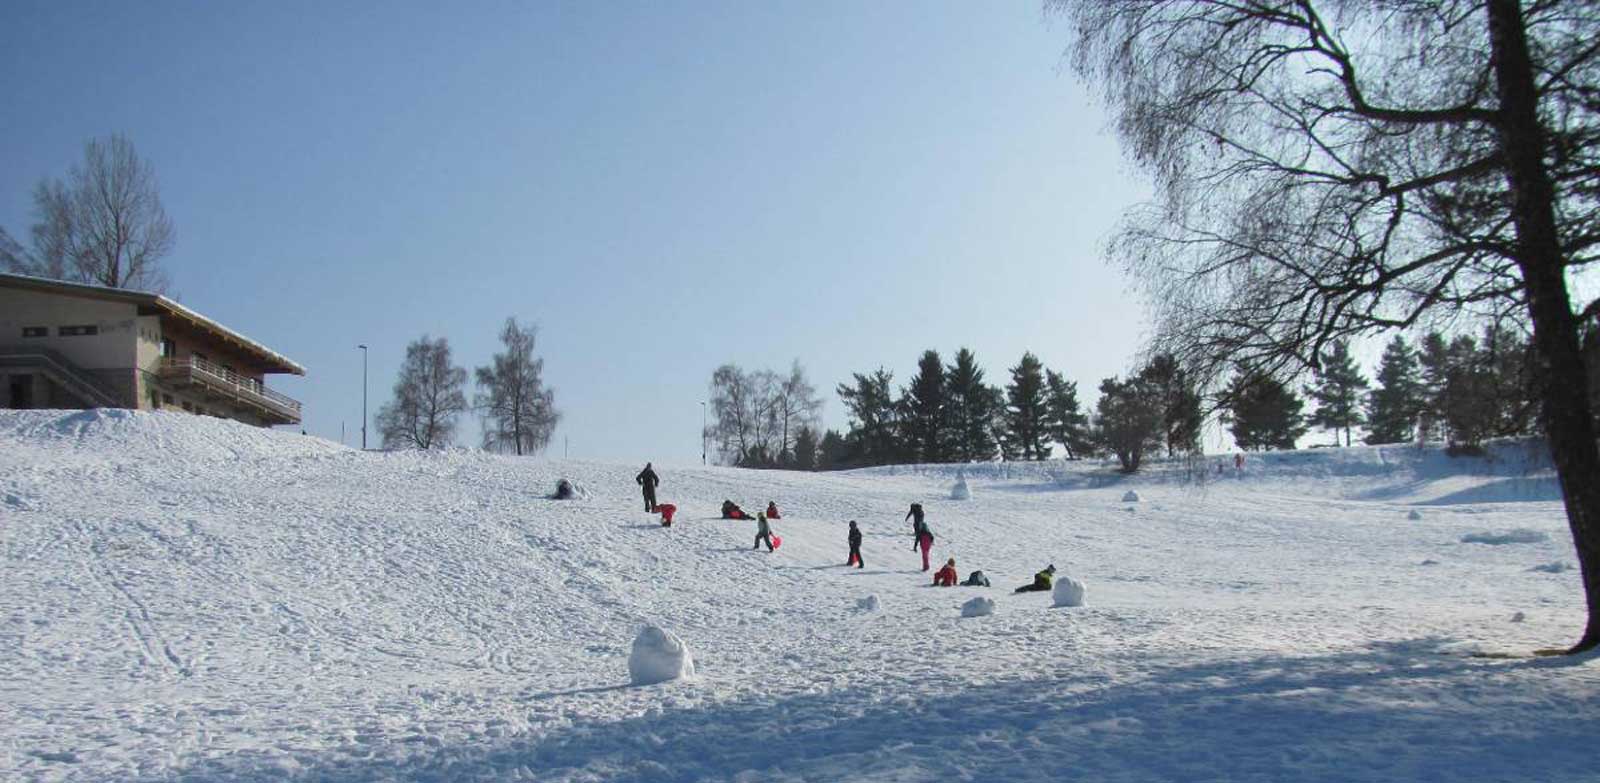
[{"x": 219, "y": 382}]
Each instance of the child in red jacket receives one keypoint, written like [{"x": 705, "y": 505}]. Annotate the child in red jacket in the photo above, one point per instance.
[
  {"x": 947, "y": 576},
  {"x": 772, "y": 510}
]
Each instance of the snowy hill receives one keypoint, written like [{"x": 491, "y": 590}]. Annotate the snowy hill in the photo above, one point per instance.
[{"x": 188, "y": 598}]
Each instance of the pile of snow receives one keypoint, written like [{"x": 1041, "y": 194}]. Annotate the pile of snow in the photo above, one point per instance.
[
  {"x": 868, "y": 604},
  {"x": 1553, "y": 567},
  {"x": 1518, "y": 617},
  {"x": 978, "y": 607},
  {"x": 1414, "y": 515},
  {"x": 659, "y": 656},
  {"x": 1130, "y": 497},
  {"x": 1520, "y": 535},
  {"x": 961, "y": 491},
  {"x": 1068, "y": 591}
]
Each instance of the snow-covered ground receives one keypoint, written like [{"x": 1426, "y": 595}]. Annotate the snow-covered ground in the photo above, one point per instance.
[{"x": 184, "y": 598}]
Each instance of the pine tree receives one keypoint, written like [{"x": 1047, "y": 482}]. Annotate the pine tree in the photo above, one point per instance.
[
  {"x": 835, "y": 451},
  {"x": 1434, "y": 359},
  {"x": 1180, "y": 404},
  {"x": 1393, "y": 407},
  {"x": 1067, "y": 424},
  {"x": 1263, "y": 413},
  {"x": 1128, "y": 420},
  {"x": 805, "y": 448},
  {"x": 926, "y": 413},
  {"x": 1338, "y": 392},
  {"x": 874, "y": 422},
  {"x": 1026, "y": 415},
  {"x": 972, "y": 406}
]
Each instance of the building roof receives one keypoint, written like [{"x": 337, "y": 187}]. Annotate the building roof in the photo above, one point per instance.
[{"x": 156, "y": 304}]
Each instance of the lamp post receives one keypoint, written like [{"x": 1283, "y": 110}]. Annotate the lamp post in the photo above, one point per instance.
[
  {"x": 363, "y": 396},
  {"x": 702, "y": 432}
]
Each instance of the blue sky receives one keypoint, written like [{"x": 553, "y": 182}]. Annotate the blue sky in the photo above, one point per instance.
[{"x": 661, "y": 188}]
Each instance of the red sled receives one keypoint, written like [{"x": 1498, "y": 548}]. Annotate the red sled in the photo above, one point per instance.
[{"x": 777, "y": 541}]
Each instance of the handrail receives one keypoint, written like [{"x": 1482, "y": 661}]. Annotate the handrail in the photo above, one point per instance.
[
  {"x": 70, "y": 373},
  {"x": 241, "y": 384}
]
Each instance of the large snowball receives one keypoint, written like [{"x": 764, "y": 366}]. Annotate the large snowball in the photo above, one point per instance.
[
  {"x": 978, "y": 607},
  {"x": 1130, "y": 497},
  {"x": 961, "y": 491},
  {"x": 658, "y": 656},
  {"x": 1068, "y": 591}
]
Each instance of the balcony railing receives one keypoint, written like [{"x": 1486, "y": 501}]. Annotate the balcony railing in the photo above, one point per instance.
[{"x": 218, "y": 378}]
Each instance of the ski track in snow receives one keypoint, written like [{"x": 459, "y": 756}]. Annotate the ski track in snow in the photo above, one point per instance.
[{"x": 185, "y": 598}]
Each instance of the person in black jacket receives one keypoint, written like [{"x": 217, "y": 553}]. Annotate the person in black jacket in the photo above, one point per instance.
[
  {"x": 855, "y": 547},
  {"x": 648, "y": 480}
]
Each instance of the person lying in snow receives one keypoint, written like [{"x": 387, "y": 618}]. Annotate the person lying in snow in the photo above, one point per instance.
[
  {"x": 731, "y": 510},
  {"x": 772, "y": 510},
  {"x": 564, "y": 490},
  {"x": 947, "y": 576},
  {"x": 763, "y": 532},
  {"x": 977, "y": 579},
  {"x": 666, "y": 510},
  {"x": 1042, "y": 581}
]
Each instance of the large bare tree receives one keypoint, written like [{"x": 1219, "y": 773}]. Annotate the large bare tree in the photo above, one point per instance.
[
  {"x": 428, "y": 398},
  {"x": 104, "y": 225},
  {"x": 518, "y": 411},
  {"x": 1330, "y": 168}
]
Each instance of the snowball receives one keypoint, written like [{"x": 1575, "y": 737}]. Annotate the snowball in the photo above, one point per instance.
[
  {"x": 978, "y": 607},
  {"x": 961, "y": 491},
  {"x": 658, "y": 656},
  {"x": 1414, "y": 515},
  {"x": 1130, "y": 497},
  {"x": 1518, "y": 617},
  {"x": 1518, "y": 536},
  {"x": 1068, "y": 591},
  {"x": 868, "y": 604},
  {"x": 1554, "y": 567}
]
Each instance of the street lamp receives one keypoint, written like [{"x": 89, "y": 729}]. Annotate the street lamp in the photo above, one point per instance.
[
  {"x": 702, "y": 432},
  {"x": 363, "y": 396}
]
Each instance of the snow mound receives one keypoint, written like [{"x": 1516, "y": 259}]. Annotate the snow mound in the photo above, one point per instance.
[
  {"x": 658, "y": 656},
  {"x": 1068, "y": 591},
  {"x": 1518, "y": 536},
  {"x": 1553, "y": 567},
  {"x": 1414, "y": 515},
  {"x": 1130, "y": 497},
  {"x": 961, "y": 491},
  {"x": 868, "y": 604},
  {"x": 1518, "y": 617},
  {"x": 978, "y": 607}
]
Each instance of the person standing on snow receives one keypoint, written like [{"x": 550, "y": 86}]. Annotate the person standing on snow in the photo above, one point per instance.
[
  {"x": 915, "y": 514},
  {"x": 763, "y": 532},
  {"x": 922, "y": 537},
  {"x": 855, "y": 547},
  {"x": 647, "y": 479}
]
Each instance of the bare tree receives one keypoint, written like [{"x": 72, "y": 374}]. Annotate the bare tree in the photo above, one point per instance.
[
  {"x": 797, "y": 406},
  {"x": 744, "y": 405},
  {"x": 517, "y": 410},
  {"x": 1331, "y": 168},
  {"x": 427, "y": 399},
  {"x": 104, "y": 225}
]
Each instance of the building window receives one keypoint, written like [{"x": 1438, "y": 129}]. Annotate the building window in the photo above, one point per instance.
[
  {"x": 78, "y": 331},
  {"x": 35, "y": 331},
  {"x": 169, "y": 348}
]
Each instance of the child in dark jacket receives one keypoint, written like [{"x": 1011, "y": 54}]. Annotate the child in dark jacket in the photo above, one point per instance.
[{"x": 855, "y": 547}]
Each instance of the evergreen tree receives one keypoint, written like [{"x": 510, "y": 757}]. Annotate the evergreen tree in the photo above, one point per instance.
[
  {"x": 874, "y": 424},
  {"x": 926, "y": 413},
  {"x": 1263, "y": 412},
  {"x": 805, "y": 448},
  {"x": 1338, "y": 392},
  {"x": 1067, "y": 425},
  {"x": 1508, "y": 358},
  {"x": 1393, "y": 407},
  {"x": 1025, "y": 412},
  {"x": 1128, "y": 420},
  {"x": 1435, "y": 361},
  {"x": 972, "y": 405},
  {"x": 1179, "y": 403},
  {"x": 835, "y": 451}
]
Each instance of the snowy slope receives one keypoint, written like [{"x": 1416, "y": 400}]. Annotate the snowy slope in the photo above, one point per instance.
[{"x": 186, "y": 598}]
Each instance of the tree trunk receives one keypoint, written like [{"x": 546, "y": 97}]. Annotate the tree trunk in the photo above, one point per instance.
[{"x": 1564, "y": 384}]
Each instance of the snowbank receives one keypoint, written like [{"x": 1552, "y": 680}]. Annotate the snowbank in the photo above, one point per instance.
[
  {"x": 1068, "y": 591},
  {"x": 1553, "y": 567},
  {"x": 658, "y": 656},
  {"x": 1520, "y": 535},
  {"x": 978, "y": 607}
]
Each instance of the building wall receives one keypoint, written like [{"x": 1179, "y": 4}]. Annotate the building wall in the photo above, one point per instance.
[{"x": 112, "y": 348}]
